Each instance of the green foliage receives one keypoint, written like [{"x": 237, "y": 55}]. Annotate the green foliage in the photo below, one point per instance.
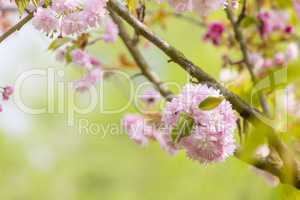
[
  {"x": 184, "y": 127},
  {"x": 132, "y": 4},
  {"x": 22, "y": 5},
  {"x": 284, "y": 3},
  {"x": 59, "y": 42},
  {"x": 210, "y": 103}
]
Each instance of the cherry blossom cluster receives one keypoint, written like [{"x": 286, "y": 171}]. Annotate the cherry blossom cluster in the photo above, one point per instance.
[
  {"x": 6, "y": 94},
  {"x": 274, "y": 20},
  {"x": 263, "y": 65},
  {"x": 92, "y": 66},
  {"x": 202, "y": 7},
  {"x": 215, "y": 32},
  {"x": 211, "y": 132},
  {"x": 69, "y": 16}
]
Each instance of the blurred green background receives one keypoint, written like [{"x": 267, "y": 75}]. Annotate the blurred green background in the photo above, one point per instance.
[{"x": 41, "y": 157}]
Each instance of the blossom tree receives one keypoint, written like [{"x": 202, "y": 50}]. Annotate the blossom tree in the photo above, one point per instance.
[{"x": 209, "y": 119}]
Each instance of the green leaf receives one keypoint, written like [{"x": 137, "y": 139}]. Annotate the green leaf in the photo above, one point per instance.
[
  {"x": 22, "y": 5},
  {"x": 284, "y": 3},
  {"x": 58, "y": 43},
  {"x": 210, "y": 103},
  {"x": 35, "y": 2},
  {"x": 184, "y": 127},
  {"x": 48, "y": 2},
  {"x": 248, "y": 21},
  {"x": 132, "y": 4}
]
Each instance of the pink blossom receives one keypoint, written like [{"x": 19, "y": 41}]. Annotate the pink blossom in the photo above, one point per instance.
[
  {"x": 81, "y": 58},
  {"x": 215, "y": 32},
  {"x": 64, "y": 6},
  {"x": 166, "y": 143},
  {"x": 205, "y": 7},
  {"x": 202, "y": 7},
  {"x": 227, "y": 75},
  {"x": 150, "y": 97},
  {"x": 73, "y": 24},
  {"x": 7, "y": 92},
  {"x": 92, "y": 78},
  {"x": 94, "y": 11},
  {"x": 137, "y": 128},
  {"x": 292, "y": 52},
  {"x": 45, "y": 20},
  {"x": 207, "y": 147},
  {"x": 61, "y": 55},
  {"x": 111, "y": 32},
  {"x": 272, "y": 21},
  {"x": 279, "y": 58},
  {"x": 263, "y": 151},
  {"x": 268, "y": 63},
  {"x": 292, "y": 103},
  {"x": 297, "y": 7},
  {"x": 95, "y": 75},
  {"x": 212, "y": 137},
  {"x": 95, "y": 62}
]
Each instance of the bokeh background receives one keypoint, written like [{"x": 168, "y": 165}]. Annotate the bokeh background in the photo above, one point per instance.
[{"x": 41, "y": 157}]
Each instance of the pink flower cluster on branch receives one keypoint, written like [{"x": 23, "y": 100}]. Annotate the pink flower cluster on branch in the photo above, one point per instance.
[
  {"x": 210, "y": 136},
  {"x": 202, "y": 7},
  {"x": 70, "y": 17}
]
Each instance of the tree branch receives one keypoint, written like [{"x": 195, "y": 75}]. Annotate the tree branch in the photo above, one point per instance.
[
  {"x": 16, "y": 27},
  {"x": 139, "y": 59},
  {"x": 176, "y": 56},
  {"x": 242, "y": 43}
]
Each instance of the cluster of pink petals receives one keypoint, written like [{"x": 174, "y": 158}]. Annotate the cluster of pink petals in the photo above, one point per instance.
[
  {"x": 93, "y": 67},
  {"x": 297, "y": 7},
  {"x": 111, "y": 31},
  {"x": 69, "y": 16},
  {"x": 6, "y": 94},
  {"x": 90, "y": 79},
  {"x": 150, "y": 97},
  {"x": 202, "y": 7},
  {"x": 215, "y": 32},
  {"x": 140, "y": 131},
  {"x": 262, "y": 64},
  {"x": 274, "y": 20},
  {"x": 212, "y": 137},
  {"x": 292, "y": 102}
]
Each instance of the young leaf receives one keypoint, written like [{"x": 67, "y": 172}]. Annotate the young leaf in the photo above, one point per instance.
[
  {"x": 210, "y": 103},
  {"x": 35, "y": 2},
  {"x": 58, "y": 43},
  {"x": 22, "y": 5},
  {"x": 184, "y": 127},
  {"x": 47, "y": 3},
  {"x": 132, "y": 4}
]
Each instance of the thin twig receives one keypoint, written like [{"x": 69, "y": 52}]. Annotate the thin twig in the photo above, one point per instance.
[
  {"x": 243, "y": 13},
  {"x": 139, "y": 59},
  {"x": 176, "y": 56},
  {"x": 16, "y": 27},
  {"x": 242, "y": 43}
]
